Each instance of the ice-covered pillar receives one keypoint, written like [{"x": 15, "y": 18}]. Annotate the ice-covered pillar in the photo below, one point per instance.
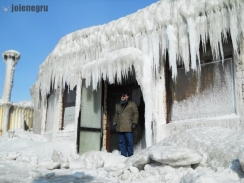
[
  {"x": 6, "y": 107},
  {"x": 11, "y": 58}
]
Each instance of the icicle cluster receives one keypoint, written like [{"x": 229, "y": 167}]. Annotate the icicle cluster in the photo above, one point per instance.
[{"x": 175, "y": 27}]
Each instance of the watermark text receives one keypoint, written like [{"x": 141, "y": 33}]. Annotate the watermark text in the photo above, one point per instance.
[{"x": 29, "y": 8}]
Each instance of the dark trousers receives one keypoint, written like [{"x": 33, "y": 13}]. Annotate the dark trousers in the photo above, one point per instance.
[{"x": 126, "y": 143}]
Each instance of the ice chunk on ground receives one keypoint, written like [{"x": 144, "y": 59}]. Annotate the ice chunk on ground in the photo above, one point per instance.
[
  {"x": 116, "y": 168},
  {"x": 140, "y": 159},
  {"x": 175, "y": 156},
  {"x": 220, "y": 145},
  {"x": 13, "y": 156},
  {"x": 57, "y": 156},
  {"x": 171, "y": 155},
  {"x": 133, "y": 169},
  {"x": 98, "y": 159},
  {"x": 210, "y": 176},
  {"x": 49, "y": 175},
  {"x": 35, "y": 174},
  {"x": 64, "y": 165}
]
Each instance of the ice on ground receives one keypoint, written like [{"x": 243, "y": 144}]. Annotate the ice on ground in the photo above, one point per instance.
[
  {"x": 220, "y": 145},
  {"x": 198, "y": 155}
]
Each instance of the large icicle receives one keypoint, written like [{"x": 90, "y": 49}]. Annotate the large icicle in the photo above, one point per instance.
[
  {"x": 172, "y": 49},
  {"x": 234, "y": 31},
  {"x": 188, "y": 14}
]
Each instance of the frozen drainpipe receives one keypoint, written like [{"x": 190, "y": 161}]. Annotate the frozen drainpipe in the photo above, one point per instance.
[{"x": 10, "y": 58}]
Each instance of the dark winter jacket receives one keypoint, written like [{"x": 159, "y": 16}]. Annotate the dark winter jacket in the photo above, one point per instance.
[{"x": 124, "y": 117}]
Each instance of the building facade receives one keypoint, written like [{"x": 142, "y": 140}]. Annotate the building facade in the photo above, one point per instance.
[{"x": 181, "y": 61}]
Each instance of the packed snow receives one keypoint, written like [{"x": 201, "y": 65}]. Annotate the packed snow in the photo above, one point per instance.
[{"x": 197, "y": 155}]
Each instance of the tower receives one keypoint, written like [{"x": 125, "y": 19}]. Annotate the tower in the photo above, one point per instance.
[{"x": 10, "y": 58}]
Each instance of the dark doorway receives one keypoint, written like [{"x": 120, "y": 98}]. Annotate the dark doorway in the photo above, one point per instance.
[{"x": 114, "y": 92}]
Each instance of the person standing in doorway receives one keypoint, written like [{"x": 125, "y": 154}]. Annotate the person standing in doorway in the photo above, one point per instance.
[{"x": 125, "y": 122}]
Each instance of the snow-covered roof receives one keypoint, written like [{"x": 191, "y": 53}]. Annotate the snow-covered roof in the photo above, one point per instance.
[{"x": 174, "y": 26}]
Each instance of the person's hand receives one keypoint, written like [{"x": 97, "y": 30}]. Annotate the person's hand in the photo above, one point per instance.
[
  {"x": 133, "y": 126},
  {"x": 114, "y": 126}
]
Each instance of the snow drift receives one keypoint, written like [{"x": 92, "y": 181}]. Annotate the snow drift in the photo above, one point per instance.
[{"x": 198, "y": 155}]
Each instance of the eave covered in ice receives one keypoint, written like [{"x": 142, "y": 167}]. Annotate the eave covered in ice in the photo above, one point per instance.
[
  {"x": 173, "y": 31},
  {"x": 175, "y": 27}
]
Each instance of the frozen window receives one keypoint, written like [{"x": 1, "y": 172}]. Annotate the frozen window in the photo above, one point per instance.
[
  {"x": 69, "y": 109},
  {"x": 208, "y": 93}
]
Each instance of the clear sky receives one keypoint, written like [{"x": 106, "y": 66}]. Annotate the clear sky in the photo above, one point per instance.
[{"x": 35, "y": 35}]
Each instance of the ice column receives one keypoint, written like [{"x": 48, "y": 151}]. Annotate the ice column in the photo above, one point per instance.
[
  {"x": 6, "y": 107},
  {"x": 11, "y": 58}
]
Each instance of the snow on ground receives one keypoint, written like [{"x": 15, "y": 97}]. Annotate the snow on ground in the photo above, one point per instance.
[{"x": 209, "y": 154}]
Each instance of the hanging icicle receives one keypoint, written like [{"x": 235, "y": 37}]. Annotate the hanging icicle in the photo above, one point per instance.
[{"x": 173, "y": 27}]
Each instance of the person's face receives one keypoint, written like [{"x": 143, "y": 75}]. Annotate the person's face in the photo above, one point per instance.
[{"x": 124, "y": 97}]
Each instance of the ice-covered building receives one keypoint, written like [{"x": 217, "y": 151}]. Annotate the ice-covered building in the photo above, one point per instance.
[
  {"x": 13, "y": 115},
  {"x": 181, "y": 60}
]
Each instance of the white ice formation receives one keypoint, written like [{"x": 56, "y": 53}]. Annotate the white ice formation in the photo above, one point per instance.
[
  {"x": 166, "y": 26},
  {"x": 219, "y": 148},
  {"x": 141, "y": 41},
  {"x": 11, "y": 58},
  {"x": 24, "y": 104}
]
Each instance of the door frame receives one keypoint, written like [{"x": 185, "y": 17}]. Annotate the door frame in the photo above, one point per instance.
[{"x": 112, "y": 88}]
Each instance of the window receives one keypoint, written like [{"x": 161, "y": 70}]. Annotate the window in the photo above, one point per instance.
[
  {"x": 69, "y": 109},
  {"x": 208, "y": 93}
]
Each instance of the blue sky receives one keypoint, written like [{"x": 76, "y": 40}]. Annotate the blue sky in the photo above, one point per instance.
[{"x": 35, "y": 35}]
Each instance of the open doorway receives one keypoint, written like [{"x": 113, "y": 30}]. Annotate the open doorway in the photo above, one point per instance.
[{"x": 114, "y": 92}]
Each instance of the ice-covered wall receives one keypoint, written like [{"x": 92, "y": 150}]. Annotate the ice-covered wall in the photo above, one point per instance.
[
  {"x": 174, "y": 27},
  {"x": 20, "y": 115}
]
